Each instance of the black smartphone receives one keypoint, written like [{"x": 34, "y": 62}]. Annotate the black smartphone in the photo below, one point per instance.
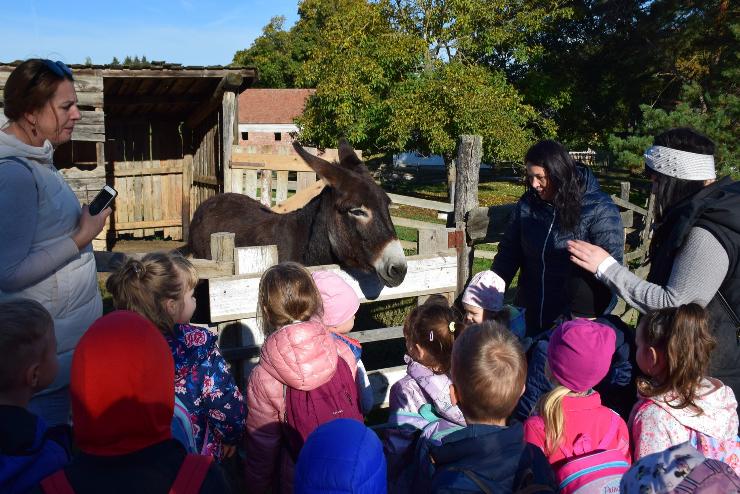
[{"x": 102, "y": 200}]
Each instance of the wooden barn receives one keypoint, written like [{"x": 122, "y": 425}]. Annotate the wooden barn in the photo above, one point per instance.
[{"x": 161, "y": 135}]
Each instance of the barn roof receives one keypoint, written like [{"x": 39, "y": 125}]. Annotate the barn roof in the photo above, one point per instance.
[
  {"x": 152, "y": 90},
  {"x": 272, "y": 106}
]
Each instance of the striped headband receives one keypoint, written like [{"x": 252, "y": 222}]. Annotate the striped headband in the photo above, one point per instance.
[{"x": 680, "y": 164}]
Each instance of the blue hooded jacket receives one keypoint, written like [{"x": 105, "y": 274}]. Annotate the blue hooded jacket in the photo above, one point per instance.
[
  {"x": 535, "y": 242},
  {"x": 496, "y": 457},
  {"x": 341, "y": 456},
  {"x": 29, "y": 452}
]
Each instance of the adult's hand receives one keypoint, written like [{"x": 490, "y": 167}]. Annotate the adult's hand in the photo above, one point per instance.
[
  {"x": 586, "y": 255},
  {"x": 89, "y": 226}
]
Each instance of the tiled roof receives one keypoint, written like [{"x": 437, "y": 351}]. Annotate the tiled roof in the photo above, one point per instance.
[{"x": 272, "y": 106}]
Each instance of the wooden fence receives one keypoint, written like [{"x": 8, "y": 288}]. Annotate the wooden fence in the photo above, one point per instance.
[{"x": 438, "y": 268}]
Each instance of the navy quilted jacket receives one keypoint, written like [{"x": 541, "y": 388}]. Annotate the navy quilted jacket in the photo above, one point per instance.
[{"x": 535, "y": 243}]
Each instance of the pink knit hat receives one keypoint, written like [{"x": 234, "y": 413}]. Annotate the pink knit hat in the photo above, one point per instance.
[
  {"x": 580, "y": 353},
  {"x": 486, "y": 290},
  {"x": 339, "y": 299}
]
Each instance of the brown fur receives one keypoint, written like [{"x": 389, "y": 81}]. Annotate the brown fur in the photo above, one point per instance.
[{"x": 326, "y": 231}]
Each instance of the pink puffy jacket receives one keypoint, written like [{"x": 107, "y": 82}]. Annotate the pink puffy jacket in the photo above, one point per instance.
[{"x": 303, "y": 356}]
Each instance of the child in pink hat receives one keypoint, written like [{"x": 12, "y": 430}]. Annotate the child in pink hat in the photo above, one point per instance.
[
  {"x": 570, "y": 420},
  {"x": 483, "y": 300},
  {"x": 340, "y": 306}
]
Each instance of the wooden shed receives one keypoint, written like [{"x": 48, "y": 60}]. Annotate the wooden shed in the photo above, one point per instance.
[{"x": 161, "y": 135}]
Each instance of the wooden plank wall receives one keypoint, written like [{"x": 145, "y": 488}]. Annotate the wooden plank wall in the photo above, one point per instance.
[
  {"x": 207, "y": 168},
  {"x": 146, "y": 159}
]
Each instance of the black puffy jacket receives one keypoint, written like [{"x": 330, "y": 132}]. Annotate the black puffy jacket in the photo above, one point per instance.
[{"x": 535, "y": 242}]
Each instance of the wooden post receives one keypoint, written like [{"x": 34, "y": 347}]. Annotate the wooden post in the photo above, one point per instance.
[
  {"x": 253, "y": 260},
  {"x": 187, "y": 185},
  {"x": 222, "y": 246},
  {"x": 266, "y": 188},
  {"x": 469, "y": 155},
  {"x": 624, "y": 194},
  {"x": 229, "y": 124}
]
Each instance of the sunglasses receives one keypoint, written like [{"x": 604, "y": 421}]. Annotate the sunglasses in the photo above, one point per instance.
[{"x": 58, "y": 68}]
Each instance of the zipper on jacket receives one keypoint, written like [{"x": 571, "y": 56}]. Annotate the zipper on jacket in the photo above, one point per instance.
[{"x": 542, "y": 280}]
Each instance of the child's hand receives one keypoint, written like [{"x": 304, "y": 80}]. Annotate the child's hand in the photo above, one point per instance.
[{"x": 229, "y": 451}]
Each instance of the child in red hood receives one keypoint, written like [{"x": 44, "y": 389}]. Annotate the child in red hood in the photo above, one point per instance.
[{"x": 122, "y": 405}]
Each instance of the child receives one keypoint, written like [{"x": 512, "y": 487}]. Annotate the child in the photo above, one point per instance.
[
  {"x": 571, "y": 420},
  {"x": 430, "y": 331},
  {"x": 305, "y": 377},
  {"x": 160, "y": 288},
  {"x": 340, "y": 305},
  {"x": 29, "y": 451},
  {"x": 122, "y": 405},
  {"x": 488, "y": 372},
  {"x": 589, "y": 299},
  {"x": 341, "y": 456},
  {"x": 677, "y": 402},
  {"x": 483, "y": 300}
]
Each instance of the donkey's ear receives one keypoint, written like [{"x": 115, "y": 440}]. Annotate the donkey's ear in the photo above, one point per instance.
[
  {"x": 347, "y": 156},
  {"x": 331, "y": 173}
]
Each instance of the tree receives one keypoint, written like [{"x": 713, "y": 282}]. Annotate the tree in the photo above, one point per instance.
[
  {"x": 115, "y": 62},
  {"x": 127, "y": 61},
  {"x": 88, "y": 61},
  {"x": 397, "y": 76},
  {"x": 277, "y": 54}
]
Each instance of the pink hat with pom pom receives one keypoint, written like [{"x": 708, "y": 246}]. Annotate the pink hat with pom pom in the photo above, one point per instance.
[
  {"x": 339, "y": 299},
  {"x": 486, "y": 290}
]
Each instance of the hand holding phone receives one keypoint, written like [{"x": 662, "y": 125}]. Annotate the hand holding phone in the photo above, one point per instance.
[{"x": 102, "y": 200}]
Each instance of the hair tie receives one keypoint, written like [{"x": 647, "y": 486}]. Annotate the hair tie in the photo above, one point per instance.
[
  {"x": 431, "y": 335},
  {"x": 452, "y": 326},
  {"x": 138, "y": 268}
]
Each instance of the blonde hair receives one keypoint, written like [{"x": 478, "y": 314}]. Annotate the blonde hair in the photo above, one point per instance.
[
  {"x": 488, "y": 371},
  {"x": 550, "y": 408},
  {"x": 287, "y": 294},
  {"x": 433, "y": 326},
  {"x": 684, "y": 336},
  {"x": 145, "y": 285}
]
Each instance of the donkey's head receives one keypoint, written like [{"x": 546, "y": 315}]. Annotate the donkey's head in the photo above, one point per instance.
[{"x": 360, "y": 229}]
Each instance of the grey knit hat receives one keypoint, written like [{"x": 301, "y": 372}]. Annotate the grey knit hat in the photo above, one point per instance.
[{"x": 680, "y": 164}]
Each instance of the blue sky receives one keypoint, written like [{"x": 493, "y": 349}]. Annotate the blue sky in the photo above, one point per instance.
[{"x": 189, "y": 32}]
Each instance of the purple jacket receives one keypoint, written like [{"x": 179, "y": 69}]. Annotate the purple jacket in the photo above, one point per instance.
[{"x": 420, "y": 386}]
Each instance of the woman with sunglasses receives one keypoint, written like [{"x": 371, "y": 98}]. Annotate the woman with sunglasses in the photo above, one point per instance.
[
  {"x": 693, "y": 254},
  {"x": 563, "y": 201},
  {"x": 45, "y": 236}
]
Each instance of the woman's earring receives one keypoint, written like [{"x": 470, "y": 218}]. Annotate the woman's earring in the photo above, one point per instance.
[{"x": 33, "y": 129}]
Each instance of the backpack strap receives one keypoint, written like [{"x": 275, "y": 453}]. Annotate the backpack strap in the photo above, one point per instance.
[
  {"x": 191, "y": 475},
  {"x": 57, "y": 483},
  {"x": 474, "y": 478},
  {"x": 611, "y": 433}
]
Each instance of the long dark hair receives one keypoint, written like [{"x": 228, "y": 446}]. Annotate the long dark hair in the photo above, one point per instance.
[
  {"x": 561, "y": 172},
  {"x": 670, "y": 191}
]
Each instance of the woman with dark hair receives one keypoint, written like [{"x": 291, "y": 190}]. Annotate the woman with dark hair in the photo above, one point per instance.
[
  {"x": 694, "y": 251},
  {"x": 563, "y": 201},
  {"x": 45, "y": 237}
]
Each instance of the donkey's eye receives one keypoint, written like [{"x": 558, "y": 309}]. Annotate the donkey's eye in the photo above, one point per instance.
[{"x": 359, "y": 212}]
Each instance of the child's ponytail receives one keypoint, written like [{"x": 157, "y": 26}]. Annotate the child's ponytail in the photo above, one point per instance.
[{"x": 550, "y": 408}]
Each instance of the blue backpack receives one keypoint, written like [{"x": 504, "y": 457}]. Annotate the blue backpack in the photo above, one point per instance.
[{"x": 182, "y": 427}]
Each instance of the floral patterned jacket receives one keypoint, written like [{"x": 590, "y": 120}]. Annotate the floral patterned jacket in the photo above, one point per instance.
[
  {"x": 205, "y": 386},
  {"x": 655, "y": 425}
]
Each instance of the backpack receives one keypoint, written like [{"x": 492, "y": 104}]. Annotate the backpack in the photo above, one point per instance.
[
  {"x": 306, "y": 410},
  {"x": 189, "y": 478},
  {"x": 597, "y": 472},
  {"x": 182, "y": 427}
]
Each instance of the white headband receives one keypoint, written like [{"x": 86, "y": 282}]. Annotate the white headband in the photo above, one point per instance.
[{"x": 680, "y": 164}]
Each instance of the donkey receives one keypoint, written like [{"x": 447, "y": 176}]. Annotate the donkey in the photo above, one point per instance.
[{"x": 348, "y": 223}]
